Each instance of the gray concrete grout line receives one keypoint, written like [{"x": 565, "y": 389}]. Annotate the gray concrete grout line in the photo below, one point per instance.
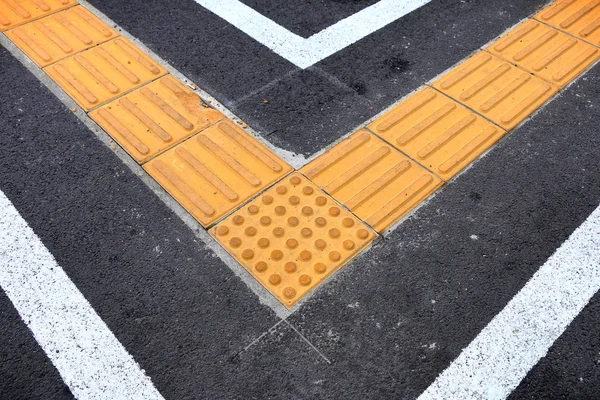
[
  {"x": 309, "y": 343},
  {"x": 265, "y": 297}
]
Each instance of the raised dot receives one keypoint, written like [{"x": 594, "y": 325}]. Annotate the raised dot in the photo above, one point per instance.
[
  {"x": 222, "y": 230},
  {"x": 238, "y": 220},
  {"x": 250, "y": 231},
  {"x": 276, "y": 255},
  {"x": 278, "y": 232},
  {"x": 334, "y": 211},
  {"x": 320, "y": 244},
  {"x": 348, "y": 222},
  {"x": 304, "y": 280},
  {"x": 320, "y": 268},
  {"x": 289, "y": 292},
  {"x": 263, "y": 243},
  {"x": 294, "y": 200},
  {"x": 307, "y": 190},
  {"x": 261, "y": 266},
  {"x": 362, "y": 233},
  {"x": 290, "y": 267},
  {"x": 295, "y": 180},
  {"x": 267, "y": 199},
  {"x": 335, "y": 256},
  {"x": 281, "y": 189},
  {"x": 275, "y": 279},
  {"x": 247, "y": 254},
  {"x": 280, "y": 210},
  {"x": 320, "y": 221},
  {"x": 293, "y": 221},
  {"x": 253, "y": 209},
  {"x": 291, "y": 243},
  {"x": 334, "y": 233},
  {"x": 307, "y": 210},
  {"x": 235, "y": 242},
  {"x": 306, "y": 232},
  {"x": 305, "y": 255},
  {"x": 321, "y": 201},
  {"x": 349, "y": 244},
  {"x": 266, "y": 221}
]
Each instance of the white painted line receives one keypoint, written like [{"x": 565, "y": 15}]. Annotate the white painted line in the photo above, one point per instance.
[
  {"x": 498, "y": 359},
  {"x": 87, "y": 355},
  {"x": 306, "y": 52}
]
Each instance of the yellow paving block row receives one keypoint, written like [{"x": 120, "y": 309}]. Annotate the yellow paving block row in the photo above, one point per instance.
[
  {"x": 580, "y": 18},
  {"x": 17, "y": 12},
  {"x": 292, "y": 237},
  {"x": 215, "y": 171},
  {"x": 496, "y": 89},
  {"x": 371, "y": 178},
  {"x": 546, "y": 52},
  {"x": 155, "y": 117},
  {"x": 60, "y": 35},
  {"x": 105, "y": 72},
  {"x": 437, "y": 131}
]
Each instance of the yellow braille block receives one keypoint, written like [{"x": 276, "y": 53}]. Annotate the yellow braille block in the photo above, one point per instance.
[
  {"x": 104, "y": 72},
  {"x": 292, "y": 237},
  {"x": 155, "y": 117},
  {"x": 580, "y": 18},
  {"x": 17, "y": 12},
  {"x": 60, "y": 35},
  {"x": 215, "y": 171},
  {"x": 374, "y": 180},
  {"x": 546, "y": 52},
  {"x": 437, "y": 131},
  {"x": 496, "y": 89}
]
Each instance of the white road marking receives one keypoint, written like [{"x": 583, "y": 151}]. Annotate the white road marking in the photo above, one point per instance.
[
  {"x": 87, "y": 355},
  {"x": 306, "y": 52},
  {"x": 498, "y": 359}
]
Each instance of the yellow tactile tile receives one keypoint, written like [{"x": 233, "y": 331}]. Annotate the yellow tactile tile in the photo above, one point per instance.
[
  {"x": 215, "y": 171},
  {"x": 104, "y": 72},
  {"x": 155, "y": 117},
  {"x": 60, "y": 35},
  {"x": 292, "y": 237},
  {"x": 17, "y": 12},
  {"x": 580, "y": 18},
  {"x": 496, "y": 89},
  {"x": 374, "y": 180},
  {"x": 546, "y": 52},
  {"x": 437, "y": 131}
]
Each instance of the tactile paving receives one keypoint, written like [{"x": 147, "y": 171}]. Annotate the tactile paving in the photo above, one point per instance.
[
  {"x": 17, "y": 12},
  {"x": 580, "y": 18},
  {"x": 496, "y": 89},
  {"x": 546, "y": 52},
  {"x": 292, "y": 237},
  {"x": 60, "y": 35},
  {"x": 155, "y": 117},
  {"x": 103, "y": 73},
  {"x": 215, "y": 171},
  {"x": 374, "y": 180},
  {"x": 437, "y": 131}
]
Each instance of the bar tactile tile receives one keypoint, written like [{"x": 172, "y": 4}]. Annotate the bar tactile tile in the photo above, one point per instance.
[
  {"x": 17, "y": 12},
  {"x": 580, "y": 18}
]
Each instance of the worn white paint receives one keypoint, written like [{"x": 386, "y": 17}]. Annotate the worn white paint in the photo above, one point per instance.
[
  {"x": 514, "y": 341},
  {"x": 306, "y": 52},
  {"x": 87, "y": 355}
]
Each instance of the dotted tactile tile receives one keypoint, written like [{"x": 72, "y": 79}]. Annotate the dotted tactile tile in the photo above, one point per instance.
[
  {"x": 103, "y": 73},
  {"x": 60, "y": 35},
  {"x": 371, "y": 178},
  {"x": 154, "y": 118},
  {"x": 292, "y": 237},
  {"x": 17, "y": 12},
  {"x": 546, "y": 52},
  {"x": 436, "y": 131},
  {"x": 580, "y": 18},
  {"x": 215, "y": 171},
  {"x": 498, "y": 90}
]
